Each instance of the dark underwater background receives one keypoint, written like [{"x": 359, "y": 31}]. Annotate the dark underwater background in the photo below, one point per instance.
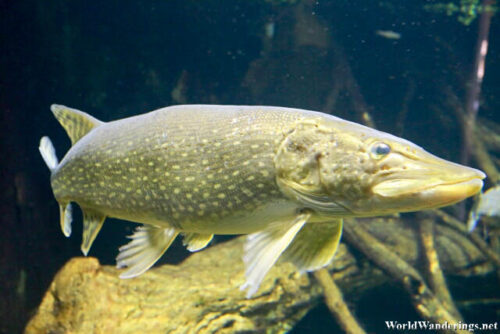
[{"x": 115, "y": 59}]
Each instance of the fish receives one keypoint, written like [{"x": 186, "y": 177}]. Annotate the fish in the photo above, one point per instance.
[
  {"x": 284, "y": 177},
  {"x": 389, "y": 34},
  {"x": 488, "y": 204}
]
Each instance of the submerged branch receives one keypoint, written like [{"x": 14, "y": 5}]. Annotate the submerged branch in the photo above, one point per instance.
[
  {"x": 474, "y": 84},
  {"x": 475, "y": 137},
  {"x": 489, "y": 133},
  {"x": 436, "y": 276},
  {"x": 484, "y": 159},
  {"x": 480, "y": 302},
  {"x": 479, "y": 151},
  {"x": 476, "y": 239},
  {"x": 424, "y": 301},
  {"x": 336, "y": 304}
]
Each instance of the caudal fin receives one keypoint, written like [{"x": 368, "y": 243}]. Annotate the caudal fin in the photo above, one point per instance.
[{"x": 48, "y": 153}]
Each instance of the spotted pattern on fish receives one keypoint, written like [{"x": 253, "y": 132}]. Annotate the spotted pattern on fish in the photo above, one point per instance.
[
  {"x": 286, "y": 177},
  {"x": 161, "y": 168}
]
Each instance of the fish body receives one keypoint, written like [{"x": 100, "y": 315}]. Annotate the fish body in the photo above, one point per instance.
[
  {"x": 284, "y": 176},
  {"x": 199, "y": 169}
]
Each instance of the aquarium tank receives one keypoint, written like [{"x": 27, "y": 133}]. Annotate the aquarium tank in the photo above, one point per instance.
[{"x": 273, "y": 166}]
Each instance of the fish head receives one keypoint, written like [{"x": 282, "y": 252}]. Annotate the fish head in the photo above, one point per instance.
[{"x": 369, "y": 172}]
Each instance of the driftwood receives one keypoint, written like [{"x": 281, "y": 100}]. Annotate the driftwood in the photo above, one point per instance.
[
  {"x": 426, "y": 302},
  {"x": 437, "y": 281},
  {"x": 475, "y": 81},
  {"x": 335, "y": 302},
  {"x": 202, "y": 295}
]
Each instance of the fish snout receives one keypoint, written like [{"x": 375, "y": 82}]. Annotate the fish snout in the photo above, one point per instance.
[
  {"x": 428, "y": 182},
  {"x": 454, "y": 182}
]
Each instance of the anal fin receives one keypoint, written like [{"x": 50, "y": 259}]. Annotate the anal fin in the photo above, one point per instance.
[
  {"x": 196, "y": 241},
  {"x": 263, "y": 249},
  {"x": 315, "y": 245},
  {"x": 66, "y": 217},
  {"x": 92, "y": 223},
  {"x": 147, "y": 246}
]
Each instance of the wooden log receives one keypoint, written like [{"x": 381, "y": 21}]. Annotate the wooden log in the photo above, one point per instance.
[{"x": 202, "y": 293}]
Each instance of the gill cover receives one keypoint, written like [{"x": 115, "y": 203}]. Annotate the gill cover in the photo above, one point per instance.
[{"x": 297, "y": 163}]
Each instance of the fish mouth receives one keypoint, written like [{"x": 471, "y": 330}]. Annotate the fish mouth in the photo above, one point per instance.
[
  {"x": 452, "y": 192},
  {"x": 431, "y": 189}
]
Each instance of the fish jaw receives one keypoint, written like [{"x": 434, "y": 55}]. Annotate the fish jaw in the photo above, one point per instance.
[
  {"x": 446, "y": 194},
  {"x": 425, "y": 181}
]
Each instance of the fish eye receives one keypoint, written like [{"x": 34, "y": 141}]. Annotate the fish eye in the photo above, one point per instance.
[{"x": 380, "y": 150}]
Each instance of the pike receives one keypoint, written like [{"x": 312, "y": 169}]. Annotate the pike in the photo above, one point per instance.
[{"x": 285, "y": 177}]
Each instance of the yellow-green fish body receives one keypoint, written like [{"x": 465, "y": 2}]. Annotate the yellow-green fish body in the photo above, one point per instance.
[
  {"x": 284, "y": 176},
  {"x": 192, "y": 169}
]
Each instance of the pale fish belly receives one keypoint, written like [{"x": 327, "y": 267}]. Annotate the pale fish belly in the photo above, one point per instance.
[{"x": 269, "y": 214}]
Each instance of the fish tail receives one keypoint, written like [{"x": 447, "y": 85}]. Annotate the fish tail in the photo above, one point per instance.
[{"x": 48, "y": 153}]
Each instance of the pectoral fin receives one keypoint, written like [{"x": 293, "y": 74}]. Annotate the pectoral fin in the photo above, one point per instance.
[
  {"x": 92, "y": 223},
  {"x": 147, "y": 246},
  {"x": 66, "y": 217},
  {"x": 263, "y": 249},
  {"x": 196, "y": 241},
  {"x": 315, "y": 245}
]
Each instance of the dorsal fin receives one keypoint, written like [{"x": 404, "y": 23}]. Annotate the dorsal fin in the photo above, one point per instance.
[{"x": 76, "y": 123}]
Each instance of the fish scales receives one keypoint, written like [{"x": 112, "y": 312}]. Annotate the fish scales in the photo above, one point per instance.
[
  {"x": 182, "y": 168},
  {"x": 286, "y": 177}
]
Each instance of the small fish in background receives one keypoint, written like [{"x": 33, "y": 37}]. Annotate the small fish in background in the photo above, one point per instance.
[
  {"x": 389, "y": 34},
  {"x": 269, "y": 29},
  {"x": 488, "y": 204},
  {"x": 285, "y": 177}
]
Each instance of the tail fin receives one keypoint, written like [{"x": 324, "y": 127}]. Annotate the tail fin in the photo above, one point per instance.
[
  {"x": 76, "y": 123},
  {"x": 48, "y": 153}
]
